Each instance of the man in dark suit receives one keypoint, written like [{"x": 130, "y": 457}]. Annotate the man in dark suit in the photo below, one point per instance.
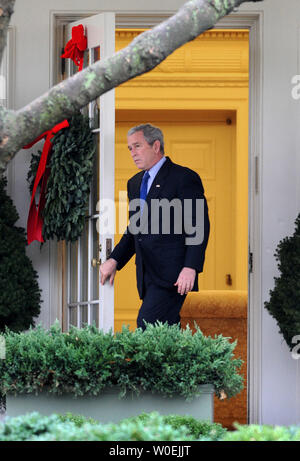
[{"x": 169, "y": 232}]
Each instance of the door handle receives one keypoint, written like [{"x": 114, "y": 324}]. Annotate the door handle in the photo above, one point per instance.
[
  {"x": 228, "y": 279},
  {"x": 96, "y": 262}
]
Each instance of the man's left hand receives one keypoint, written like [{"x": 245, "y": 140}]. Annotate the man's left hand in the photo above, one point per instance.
[{"x": 185, "y": 281}]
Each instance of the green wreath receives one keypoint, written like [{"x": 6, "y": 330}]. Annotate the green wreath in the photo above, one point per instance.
[{"x": 68, "y": 185}]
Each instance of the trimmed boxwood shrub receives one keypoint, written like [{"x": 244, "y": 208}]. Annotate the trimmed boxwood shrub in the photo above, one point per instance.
[
  {"x": 78, "y": 420},
  {"x": 196, "y": 428},
  {"x": 257, "y": 433},
  {"x": 145, "y": 427},
  {"x": 36, "y": 427},
  {"x": 163, "y": 359}
]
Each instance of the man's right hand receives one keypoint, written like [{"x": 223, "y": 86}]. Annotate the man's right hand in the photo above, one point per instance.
[{"x": 108, "y": 270}]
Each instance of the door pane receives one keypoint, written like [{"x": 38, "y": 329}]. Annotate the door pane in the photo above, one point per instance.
[
  {"x": 83, "y": 315},
  {"x": 95, "y": 179},
  {"x": 95, "y": 314},
  {"x": 95, "y": 282},
  {"x": 73, "y": 316},
  {"x": 73, "y": 268},
  {"x": 84, "y": 263},
  {"x": 96, "y": 53}
]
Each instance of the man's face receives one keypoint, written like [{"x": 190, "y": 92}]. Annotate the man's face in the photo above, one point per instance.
[{"x": 144, "y": 155}]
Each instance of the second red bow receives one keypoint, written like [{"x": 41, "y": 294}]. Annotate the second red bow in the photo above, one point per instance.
[{"x": 75, "y": 47}]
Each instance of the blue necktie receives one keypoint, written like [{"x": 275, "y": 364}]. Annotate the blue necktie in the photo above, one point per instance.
[{"x": 143, "y": 190}]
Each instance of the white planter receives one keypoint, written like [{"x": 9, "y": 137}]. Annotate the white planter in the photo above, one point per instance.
[{"x": 108, "y": 407}]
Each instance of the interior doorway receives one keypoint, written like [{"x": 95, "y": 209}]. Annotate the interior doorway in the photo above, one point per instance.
[{"x": 199, "y": 98}]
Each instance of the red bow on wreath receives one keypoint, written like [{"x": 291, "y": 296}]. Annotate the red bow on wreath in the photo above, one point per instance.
[
  {"x": 35, "y": 221},
  {"x": 75, "y": 47}
]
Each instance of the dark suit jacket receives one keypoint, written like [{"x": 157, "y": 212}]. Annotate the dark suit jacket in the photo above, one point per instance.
[{"x": 163, "y": 255}]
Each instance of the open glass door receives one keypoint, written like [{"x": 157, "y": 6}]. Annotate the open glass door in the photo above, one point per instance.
[{"x": 87, "y": 301}]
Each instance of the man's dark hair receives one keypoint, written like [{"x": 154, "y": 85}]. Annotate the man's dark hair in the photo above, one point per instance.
[{"x": 151, "y": 134}]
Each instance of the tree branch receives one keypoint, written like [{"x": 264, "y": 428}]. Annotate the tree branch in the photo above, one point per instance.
[{"x": 144, "y": 53}]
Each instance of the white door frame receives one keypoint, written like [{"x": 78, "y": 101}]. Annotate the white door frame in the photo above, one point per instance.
[{"x": 252, "y": 20}]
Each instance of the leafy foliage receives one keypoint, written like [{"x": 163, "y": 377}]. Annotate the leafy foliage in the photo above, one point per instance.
[
  {"x": 284, "y": 303},
  {"x": 163, "y": 359},
  {"x": 78, "y": 420},
  {"x": 68, "y": 185},
  {"x": 255, "y": 432},
  {"x": 144, "y": 427},
  {"x": 196, "y": 428},
  {"x": 36, "y": 427},
  {"x": 20, "y": 296}
]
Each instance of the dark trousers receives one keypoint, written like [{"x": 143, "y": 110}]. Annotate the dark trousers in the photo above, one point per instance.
[{"x": 159, "y": 304}]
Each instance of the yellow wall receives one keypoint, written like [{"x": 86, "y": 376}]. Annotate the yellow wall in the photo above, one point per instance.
[{"x": 199, "y": 97}]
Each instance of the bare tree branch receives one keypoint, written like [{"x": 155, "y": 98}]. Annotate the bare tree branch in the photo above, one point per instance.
[{"x": 143, "y": 54}]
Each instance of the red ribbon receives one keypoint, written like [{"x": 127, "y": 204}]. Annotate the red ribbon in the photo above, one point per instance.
[
  {"x": 75, "y": 47},
  {"x": 35, "y": 221}
]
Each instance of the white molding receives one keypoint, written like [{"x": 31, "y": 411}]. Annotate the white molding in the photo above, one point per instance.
[
  {"x": 255, "y": 309},
  {"x": 297, "y": 391},
  {"x": 252, "y": 20},
  {"x": 9, "y": 56},
  {"x": 297, "y": 208}
]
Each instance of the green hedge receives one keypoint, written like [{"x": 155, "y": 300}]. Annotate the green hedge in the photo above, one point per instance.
[
  {"x": 145, "y": 427},
  {"x": 263, "y": 433},
  {"x": 164, "y": 359},
  {"x": 51, "y": 428},
  {"x": 195, "y": 428}
]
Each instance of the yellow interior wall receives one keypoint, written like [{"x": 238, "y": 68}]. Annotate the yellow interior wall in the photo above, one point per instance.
[{"x": 202, "y": 88}]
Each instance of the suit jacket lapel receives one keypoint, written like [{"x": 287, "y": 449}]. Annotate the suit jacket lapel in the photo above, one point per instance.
[
  {"x": 154, "y": 191},
  {"x": 159, "y": 181},
  {"x": 137, "y": 185}
]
